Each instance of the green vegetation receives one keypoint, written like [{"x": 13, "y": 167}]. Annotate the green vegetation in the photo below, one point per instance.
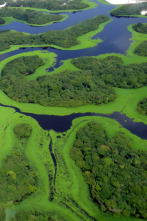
[
  {"x": 129, "y": 10},
  {"x": 22, "y": 131},
  {"x": 43, "y": 182},
  {"x": 63, "y": 38},
  {"x": 66, "y": 89},
  {"x": 34, "y": 215},
  {"x": 141, "y": 49},
  {"x": 71, "y": 199},
  {"x": 16, "y": 172},
  {"x": 22, "y": 66},
  {"x": 142, "y": 106},
  {"x": 112, "y": 71},
  {"x": 51, "y": 5},
  {"x": 29, "y": 16},
  {"x": 114, "y": 171},
  {"x": 140, "y": 27},
  {"x": 2, "y": 21},
  {"x": 92, "y": 85}
]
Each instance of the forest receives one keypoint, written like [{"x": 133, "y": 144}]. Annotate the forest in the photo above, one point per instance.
[
  {"x": 112, "y": 71},
  {"x": 22, "y": 180},
  {"x": 142, "y": 106},
  {"x": 113, "y": 170},
  {"x": 63, "y": 38},
  {"x": 2, "y": 21},
  {"x": 50, "y": 5},
  {"x": 140, "y": 27},
  {"x": 30, "y": 16},
  {"x": 93, "y": 84},
  {"x": 141, "y": 49},
  {"x": 129, "y": 10}
]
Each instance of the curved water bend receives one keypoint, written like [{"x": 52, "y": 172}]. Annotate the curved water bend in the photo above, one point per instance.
[
  {"x": 63, "y": 123},
  {"x": 115, "y": 35},
  {"x": 73, "y": 18}
]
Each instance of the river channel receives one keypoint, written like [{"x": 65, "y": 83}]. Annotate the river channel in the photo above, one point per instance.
[{"x": 116, "y": 39}]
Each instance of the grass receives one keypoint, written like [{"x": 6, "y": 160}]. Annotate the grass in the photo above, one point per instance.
[
  {"x": 137, "y": 39},
  {"x": 121, "y": 104},
  {"x": 90, "y": 3},
  {"x": 76, "y": 187},
  {"x": 9, "y": 20},
  {"x": 70, "y": 185},
  {"x": 84, "y": 41}
]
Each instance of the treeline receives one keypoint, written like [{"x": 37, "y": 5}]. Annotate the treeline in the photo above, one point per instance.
[
  {"x": 63, "y": 38},
  {"x": 30, "y": 16},
  {"x": 112, "y": 71},
  {"x": 64, "y": 89},
  {"x": 113, "y": 170},
  {"x": 2, "y": 21},
  {"x": 141, "y": 49},
  {"x": 140, "y": 27},
  {"x": 92, "y": 85},
  {"x": 129, "y": 10},
  {"x": 16, "y": 171},
  {"x": 50, "y": 5},
  {"x": 22, "y": 66},
  {"x": 142, "y": 106}
]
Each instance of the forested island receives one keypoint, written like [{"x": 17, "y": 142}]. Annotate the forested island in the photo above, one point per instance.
[
  {"x": 50, "y": 5},
  {"x": 92, "y": 85},
  {"x": 63, "y": 38},
  {"x": 30, "y": 16},
  {"x": 140, "y": 27},
  {"x": 129, "y": 10},
  {"x": 114, "y": 171}
]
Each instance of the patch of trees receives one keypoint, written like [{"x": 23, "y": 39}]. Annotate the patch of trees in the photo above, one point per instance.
[
  {"x": 64, "y": 89},
  {"x": 63, "y": 38},
  {"x": 50, "y": 5},
  {"x": 142, "y": 106},
  {"x": 113, "y": 170},
  {"x": 17, "y": 173},
  {"x": 93, "y": 84},
  {"x": 30, "y": 16},
  {"x": 140, "y": 27},
  {"x": 2, "y": 21},
  {"x": 129, "y": 10},
  {"x": 22, "y": 131},
  {"x": 112, "y": 71},
  {"x": 24, "y": 65},
  {"x": 141, "y": 49}
]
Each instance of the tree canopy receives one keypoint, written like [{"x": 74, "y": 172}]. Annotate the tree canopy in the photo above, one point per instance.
[{"x": 113, "y": 170}]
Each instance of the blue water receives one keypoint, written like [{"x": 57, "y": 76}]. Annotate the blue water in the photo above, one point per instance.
[{"x": 116, "y": 39}]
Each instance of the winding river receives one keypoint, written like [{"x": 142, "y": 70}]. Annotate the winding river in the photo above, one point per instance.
[{"x": 116, "y": 39}]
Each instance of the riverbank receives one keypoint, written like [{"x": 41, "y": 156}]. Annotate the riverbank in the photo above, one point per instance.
[
  {"x": 75, "y": 188},
  {"x": 121, "y": 104}
]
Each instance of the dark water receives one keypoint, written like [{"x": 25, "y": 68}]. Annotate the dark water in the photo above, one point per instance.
[
  {"x": 115, "y": 35},
  {"x": 115, "y": 38},
  {"x": 63, "y": 123}
]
